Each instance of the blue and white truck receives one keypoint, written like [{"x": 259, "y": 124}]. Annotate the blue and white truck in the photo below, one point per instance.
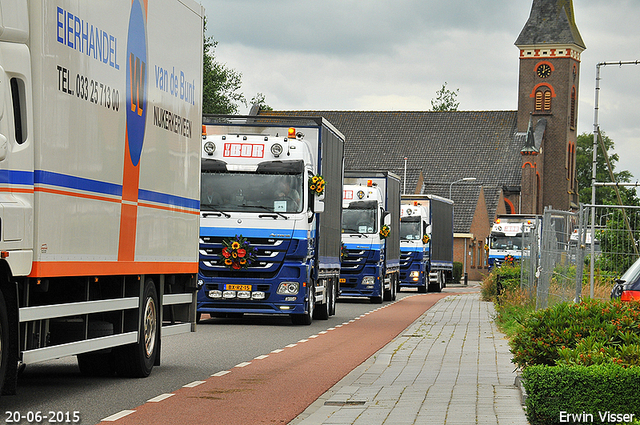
[
  {"x": 426, "y": 242},
  {"x": 370, "y": 234},
  {"x": 511, "y": 234},
  {"x": 271, "y": 198}
]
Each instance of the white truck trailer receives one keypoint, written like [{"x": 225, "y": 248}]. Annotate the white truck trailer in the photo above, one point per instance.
[{"x": 100, "y": 115}]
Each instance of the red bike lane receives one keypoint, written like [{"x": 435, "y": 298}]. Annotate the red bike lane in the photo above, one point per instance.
[{"x": 276, "y": 387}]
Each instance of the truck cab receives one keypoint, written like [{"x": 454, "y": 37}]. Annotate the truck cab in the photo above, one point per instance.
[
  {"x": 262, "y": 195},
  {"x": 370, "y": 235},
  {"x": 415, "y": 234}
]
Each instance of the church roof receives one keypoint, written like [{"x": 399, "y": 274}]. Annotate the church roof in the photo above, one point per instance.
[
  {"x": 551, "y": 22},
  {"x": 442, "y": 147}
]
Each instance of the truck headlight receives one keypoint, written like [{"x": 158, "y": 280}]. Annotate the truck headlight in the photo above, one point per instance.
[
  {"x": 288, "y": 288},
  {"x": 215, "y": 294},
  {"x": 368, "y": 280},
  {"x": 414, "y": 274}
]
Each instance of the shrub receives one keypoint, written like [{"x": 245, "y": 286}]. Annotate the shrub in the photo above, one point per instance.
[
  {"x": 581, "y": 390},
  {"x": 457, "y": 271},
  {"x": 579, "y": 333}
]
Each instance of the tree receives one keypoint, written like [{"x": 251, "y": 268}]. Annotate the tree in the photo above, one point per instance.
[
  {"x": 259, "y": 100},
  {"x": 445, "y": 100},
  {"x": 584, "y": 158},
  {"x": 220, "y": 85}
]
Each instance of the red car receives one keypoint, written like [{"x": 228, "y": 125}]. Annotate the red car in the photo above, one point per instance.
[{"x": 627, "y": 288}]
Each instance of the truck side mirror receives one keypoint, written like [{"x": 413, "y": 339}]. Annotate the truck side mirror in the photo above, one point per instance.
[
  {"x": 318, "y": 204},
  {"x": 387, "y": 218}
]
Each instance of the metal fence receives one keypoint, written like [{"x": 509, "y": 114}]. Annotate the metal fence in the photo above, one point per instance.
[
  {"x": 558, "y": 265},
  {"x": 557, "y": 268}
]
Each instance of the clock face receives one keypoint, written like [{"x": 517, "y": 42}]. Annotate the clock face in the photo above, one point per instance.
[{"x": 543, "y": 70}]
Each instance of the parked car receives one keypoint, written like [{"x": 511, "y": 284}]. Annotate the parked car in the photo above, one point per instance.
[{"x": 627, "y": 288}]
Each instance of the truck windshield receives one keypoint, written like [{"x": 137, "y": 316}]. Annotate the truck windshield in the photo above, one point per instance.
[
  {"x": 358, "y": 220},
  {"x": 507, "y": 242},
  {"x": 251, "y": 192},
  {"x": 410, "y": 230}
]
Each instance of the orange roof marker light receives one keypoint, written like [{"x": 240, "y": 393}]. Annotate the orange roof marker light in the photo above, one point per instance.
[
  {"x": 369, "y": 183},
  {"x": 291, "y": 134}
]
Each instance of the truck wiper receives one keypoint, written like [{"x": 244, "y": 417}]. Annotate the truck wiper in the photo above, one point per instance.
[
  {"x": 270, "y": 210},
  {"x": 217, "y": 213}
]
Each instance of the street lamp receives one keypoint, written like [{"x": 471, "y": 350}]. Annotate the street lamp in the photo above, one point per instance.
[{"x": 466, "y": 179}]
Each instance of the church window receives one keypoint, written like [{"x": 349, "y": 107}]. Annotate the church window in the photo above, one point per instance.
[
  {"x": 572, "y": 118},
  {"x": 543, "y": 100}
]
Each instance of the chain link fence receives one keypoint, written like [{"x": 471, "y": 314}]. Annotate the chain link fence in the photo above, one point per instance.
[{"x": 557, "y": 266}]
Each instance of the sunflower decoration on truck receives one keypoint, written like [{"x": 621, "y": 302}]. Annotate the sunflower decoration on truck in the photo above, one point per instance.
[
  {"x": 238, "y": 253},
  {"x": 316, "y": 184},
  {"x": 425, "y": 238},
  {"x": 384, "y": 231}
]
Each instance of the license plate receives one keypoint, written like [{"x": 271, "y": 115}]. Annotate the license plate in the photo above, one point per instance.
[
  {"x": 232, "y": 287},
  {"x": 343, "y": 280}
]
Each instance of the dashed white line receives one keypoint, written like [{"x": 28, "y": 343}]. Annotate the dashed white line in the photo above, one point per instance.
[
  {"x": 159, "y": 398},
  {"x": 221, "y": 373},
  {"x": 243, "y": 364},
  {"x": 262, "y": 357},
  {"x": 303, "y": 340},
  {"x": 290, "y": 345},
  {"x": 279, "y": 350},
  {"x": 117, "y": 416},
  {"x": 193, "y": 384}
]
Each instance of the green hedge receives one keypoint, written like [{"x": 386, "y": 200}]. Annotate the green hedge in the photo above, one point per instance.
[
  {"x": 581, "y": 394},
  {"x": 585, "y": 333}
]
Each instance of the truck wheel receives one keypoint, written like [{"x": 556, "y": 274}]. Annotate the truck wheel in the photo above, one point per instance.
[
  {"x": 394, "y": 287},
  {"x": 333, "y": 298},
  {"x": 4, "y": 340},
  {"x": 321, "y": 311},
  {"x": 306, "y": 318},
  {"x": 137, "y": 360}
]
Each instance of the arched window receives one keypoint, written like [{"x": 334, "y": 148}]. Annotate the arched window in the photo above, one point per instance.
[
  {"x": 543, "y": 99},
  {"x": 572, "y": 121}
]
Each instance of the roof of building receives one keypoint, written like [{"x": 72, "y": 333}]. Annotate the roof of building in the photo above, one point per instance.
[
  {"x": 440, "y": 147},
  {"x": 551, "y": 22}
]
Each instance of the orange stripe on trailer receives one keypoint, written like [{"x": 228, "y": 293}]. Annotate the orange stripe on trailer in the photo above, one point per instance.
[
  {"x": 168, "y": 208},
  {"x": 109, "y": 268},
  {"x": 129, "y": 209},
  {"x": 16, "y": 190},
  {"x": 76, "y": 194}
]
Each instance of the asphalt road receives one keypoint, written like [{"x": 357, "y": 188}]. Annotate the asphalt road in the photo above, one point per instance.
[{"x": 217, "y": 345}]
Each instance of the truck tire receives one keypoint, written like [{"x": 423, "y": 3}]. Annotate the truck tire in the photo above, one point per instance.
[
  {"x": 334, "y": 297},
  {"x": 328, "y": 308},
  {"x": 4, "y": 340},
  {"x": 306, "y": 318},
  {"x": 394, "y": 287},
  {"x": 137, "y": 360}
]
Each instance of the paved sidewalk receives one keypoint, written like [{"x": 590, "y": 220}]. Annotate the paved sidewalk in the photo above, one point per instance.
[{"x": 451, "y": 366}]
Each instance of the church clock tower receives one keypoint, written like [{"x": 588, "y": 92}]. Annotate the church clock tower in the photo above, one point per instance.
[{"x": 550, "y": 48}]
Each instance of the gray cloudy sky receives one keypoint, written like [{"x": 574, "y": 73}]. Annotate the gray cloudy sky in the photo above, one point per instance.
[{"x": 395, "y": 55}]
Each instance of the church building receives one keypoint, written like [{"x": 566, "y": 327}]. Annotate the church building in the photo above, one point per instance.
[{"x": 488, "y": 162}]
